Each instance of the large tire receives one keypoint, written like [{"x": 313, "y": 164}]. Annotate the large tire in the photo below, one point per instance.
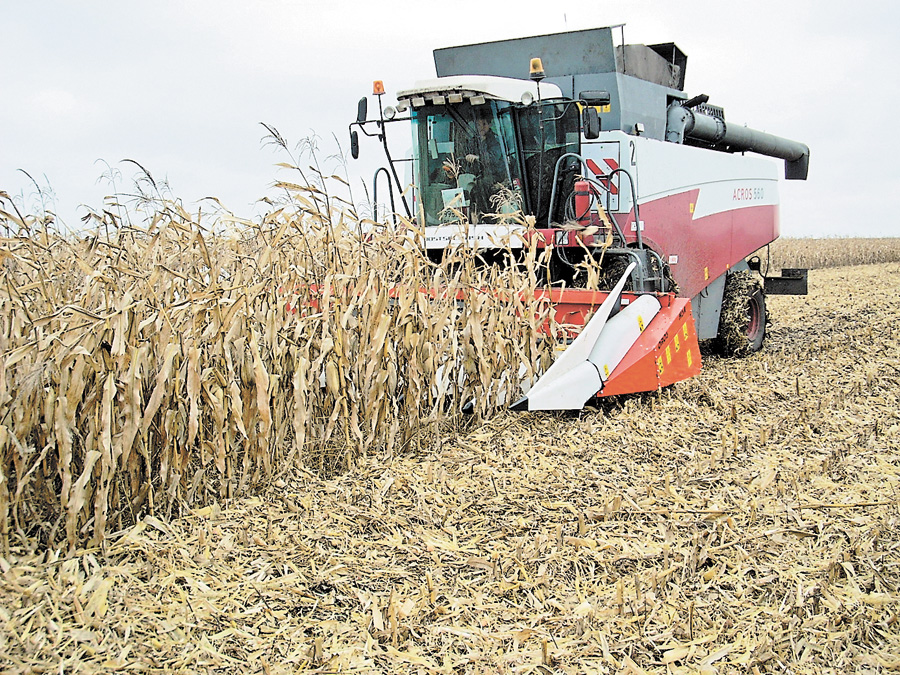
[{"x": 742, "y": 325}]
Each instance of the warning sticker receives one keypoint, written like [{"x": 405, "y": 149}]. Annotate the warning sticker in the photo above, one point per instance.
[{"x": 602, "y": 160}]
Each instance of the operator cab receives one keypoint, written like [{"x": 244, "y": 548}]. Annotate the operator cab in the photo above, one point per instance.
[
  {"x": 485, "y": 150},
  {"x": 494, "y": 167}
]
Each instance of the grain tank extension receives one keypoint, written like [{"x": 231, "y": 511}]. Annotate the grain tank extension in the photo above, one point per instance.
[{"x": 598, "y": 144}]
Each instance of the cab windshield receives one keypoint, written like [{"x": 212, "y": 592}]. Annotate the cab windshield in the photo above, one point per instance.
[
  {"x": 549, "y": 132},
  {"x": 466, "y": 163}
]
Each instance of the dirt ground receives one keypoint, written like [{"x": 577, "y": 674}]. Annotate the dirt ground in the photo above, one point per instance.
[{"x": 747, "y": 520}]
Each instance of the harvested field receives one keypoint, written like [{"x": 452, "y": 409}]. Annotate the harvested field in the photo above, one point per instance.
[
  {"x": 831, "y": 252},
  {"x": 743, "y": 521}
]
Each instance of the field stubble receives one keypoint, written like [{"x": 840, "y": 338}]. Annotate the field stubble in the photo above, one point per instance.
[{"x": 746, "y": 520}]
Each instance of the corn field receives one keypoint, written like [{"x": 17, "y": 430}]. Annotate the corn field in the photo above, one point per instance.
[
  {"x": 156, "y": 368},
  {"x": 831, "y": 252},
  {"x": 153, "y": 369},
  {"x": 226, "y": 442},
  {"x": 744, "y": 521}
]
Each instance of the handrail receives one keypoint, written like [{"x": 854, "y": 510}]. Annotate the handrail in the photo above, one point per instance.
[
  {"x": 375, "y": 194},
  {"x": 556, "y": 181},
  {"x": 642, "y": 278},
  {"x": 634, "y": 202}
]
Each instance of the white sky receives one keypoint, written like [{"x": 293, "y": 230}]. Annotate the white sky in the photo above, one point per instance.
[{"x": 181, "y": 86}]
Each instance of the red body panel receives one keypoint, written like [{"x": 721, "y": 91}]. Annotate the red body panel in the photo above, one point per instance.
[
  {"x": 705, "y": 247},
  {"x": 573, "y": 305},
  {"x": 667, "y": 352},
  {"x": 698, "y": 250}
]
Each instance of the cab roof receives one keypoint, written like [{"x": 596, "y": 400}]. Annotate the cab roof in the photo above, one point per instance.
[{"x": 490, "y": 86}]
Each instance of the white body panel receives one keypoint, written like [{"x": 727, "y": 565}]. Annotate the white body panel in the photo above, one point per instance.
[
  {"x": 620, "y": 332},
  {"x": 661, "y": 169},
  {"x": 475, "y": 236},
  {"x": 502, "y": 88}
]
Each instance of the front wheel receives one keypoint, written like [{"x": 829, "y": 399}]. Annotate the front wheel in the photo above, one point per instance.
[{"x": 742, "y": 324}]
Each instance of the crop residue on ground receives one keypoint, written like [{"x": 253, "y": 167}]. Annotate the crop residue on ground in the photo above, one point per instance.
[{"x": 744, "y": 521}]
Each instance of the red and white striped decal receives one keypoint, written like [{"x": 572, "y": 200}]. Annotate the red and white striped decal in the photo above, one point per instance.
[{"x": 599, "y": 173}]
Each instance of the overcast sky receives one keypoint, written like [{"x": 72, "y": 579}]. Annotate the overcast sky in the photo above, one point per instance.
[{"x": 181, "y": 87}]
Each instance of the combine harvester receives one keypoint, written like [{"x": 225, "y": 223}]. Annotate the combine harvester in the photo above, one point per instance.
[{"x": 609, "y": 158}]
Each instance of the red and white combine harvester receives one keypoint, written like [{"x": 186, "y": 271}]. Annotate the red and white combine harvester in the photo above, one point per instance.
[{"x": 607, "y": 156}]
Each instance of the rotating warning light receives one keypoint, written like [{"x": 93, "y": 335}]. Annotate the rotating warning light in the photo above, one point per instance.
[
  {"x": 537, "y": 70},
  {"x": 378, "y": 87}
]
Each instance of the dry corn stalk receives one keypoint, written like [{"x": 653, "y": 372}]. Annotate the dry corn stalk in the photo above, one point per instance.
[{"x": 164, "y": 367}]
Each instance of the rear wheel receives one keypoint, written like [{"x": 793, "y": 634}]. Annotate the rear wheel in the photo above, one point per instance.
[{"x": 742, "y": 325}]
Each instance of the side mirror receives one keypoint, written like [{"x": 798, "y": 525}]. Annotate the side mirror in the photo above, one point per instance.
[
  {"x": 590, "y": 122},
  {"x": 362, "y": 110},
  {"x": 354, "y": 144}
]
